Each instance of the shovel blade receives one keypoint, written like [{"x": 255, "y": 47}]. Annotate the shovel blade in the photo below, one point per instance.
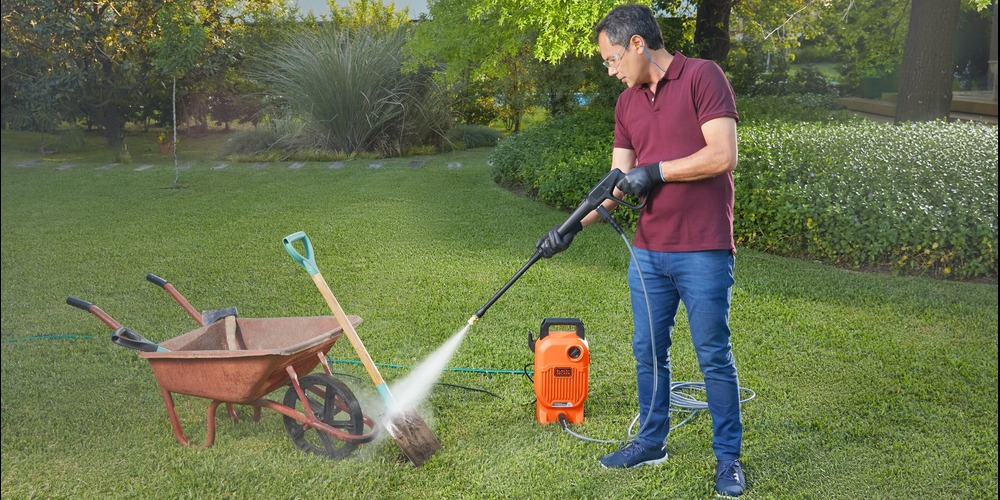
[{"x": 413, "y": 436}]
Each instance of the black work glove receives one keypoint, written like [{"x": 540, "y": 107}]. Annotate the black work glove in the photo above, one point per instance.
[
  {"x": 641, "y": 180},
  {"x": 553, "y": 242}
]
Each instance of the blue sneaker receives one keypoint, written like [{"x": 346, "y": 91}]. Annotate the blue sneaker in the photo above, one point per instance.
[
  {"x": 633, "y": 455},
  {"x": 729, "y": 480}
]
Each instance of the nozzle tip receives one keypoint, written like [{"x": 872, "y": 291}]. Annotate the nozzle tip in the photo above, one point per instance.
[{"x": 473, "y": 319}]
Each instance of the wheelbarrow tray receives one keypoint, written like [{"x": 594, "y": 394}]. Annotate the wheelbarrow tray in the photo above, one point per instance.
[{"x": 201, "y": 363}]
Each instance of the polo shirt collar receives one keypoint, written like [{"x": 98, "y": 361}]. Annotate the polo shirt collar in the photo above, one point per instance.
[{"x": 673, "y": 70}]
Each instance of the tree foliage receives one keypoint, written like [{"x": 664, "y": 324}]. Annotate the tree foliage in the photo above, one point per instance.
[
  {"x": 100, "y": 61},
  {"x": 560, "y": 27},
  {"x": 89, "y": 56},
  {"x": 370, "y": 15}
]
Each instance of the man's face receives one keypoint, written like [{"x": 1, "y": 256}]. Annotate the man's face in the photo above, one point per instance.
[{"x": 616, "y": 58}]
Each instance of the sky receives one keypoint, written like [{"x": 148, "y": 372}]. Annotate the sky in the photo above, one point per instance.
[{"x": 318, "y": 7}]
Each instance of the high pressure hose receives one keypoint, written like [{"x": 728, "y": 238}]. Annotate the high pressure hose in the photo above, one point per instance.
[{"x": 603, "y": 191}]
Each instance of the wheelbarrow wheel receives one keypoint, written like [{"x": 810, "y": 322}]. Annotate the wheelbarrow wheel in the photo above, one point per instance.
[{"x": 334, "y": 404}]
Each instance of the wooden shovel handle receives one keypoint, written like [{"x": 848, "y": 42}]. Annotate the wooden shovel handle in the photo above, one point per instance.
[{"x": 352, "y": 335}]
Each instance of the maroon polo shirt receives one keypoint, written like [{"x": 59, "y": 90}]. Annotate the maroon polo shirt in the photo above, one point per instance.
[{"x": 679, "y": 216}]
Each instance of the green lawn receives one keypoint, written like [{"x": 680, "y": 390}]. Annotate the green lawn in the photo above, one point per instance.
[{"x": 867, "y": 385}]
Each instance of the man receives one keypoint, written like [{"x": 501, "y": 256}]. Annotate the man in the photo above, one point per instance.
[{"x": 675, "y": 137}]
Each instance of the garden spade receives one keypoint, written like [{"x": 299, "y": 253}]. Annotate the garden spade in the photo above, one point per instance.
[{"x": 410, "y": 431}]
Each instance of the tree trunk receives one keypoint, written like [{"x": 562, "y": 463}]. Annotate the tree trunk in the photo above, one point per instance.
[
  {"x": 711, "y": 30},
  {"x": 111, "y": 115},
  {"x": 114, "y": 129},
  {"x": 928, "y": 61}
]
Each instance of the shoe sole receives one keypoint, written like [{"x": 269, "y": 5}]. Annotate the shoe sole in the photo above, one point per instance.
[{"x": 655, "y": 461}]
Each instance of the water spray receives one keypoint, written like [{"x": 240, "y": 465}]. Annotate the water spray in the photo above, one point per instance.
[{"x": 417, "y": 384}]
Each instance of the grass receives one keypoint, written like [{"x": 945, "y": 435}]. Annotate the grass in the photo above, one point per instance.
[{"x": 867, "y": 385}]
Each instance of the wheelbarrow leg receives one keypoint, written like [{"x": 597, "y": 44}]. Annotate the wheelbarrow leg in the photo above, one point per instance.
[
  {"x": 324, "y": 362},
  {"x": 231, "y": 409},
  {"x": 175, "y": 422}
]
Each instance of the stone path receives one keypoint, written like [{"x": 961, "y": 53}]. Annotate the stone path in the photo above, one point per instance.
[{"x": 336, "y": 165}]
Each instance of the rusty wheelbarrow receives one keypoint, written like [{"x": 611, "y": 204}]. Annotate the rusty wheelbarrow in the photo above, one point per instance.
[{"x": 239, "y": 361}]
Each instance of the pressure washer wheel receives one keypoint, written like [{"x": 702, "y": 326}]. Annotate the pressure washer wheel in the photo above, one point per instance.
[{"x": 335, "y": 405}]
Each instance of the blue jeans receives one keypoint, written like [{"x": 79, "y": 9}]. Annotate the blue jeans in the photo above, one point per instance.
[{"x": 703, "y": 281}]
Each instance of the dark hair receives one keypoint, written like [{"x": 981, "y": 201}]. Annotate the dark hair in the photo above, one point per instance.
[{"x": 627, "y": 20}]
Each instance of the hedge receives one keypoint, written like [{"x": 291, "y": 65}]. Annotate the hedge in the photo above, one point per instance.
[{"x": 919, "y": 198}]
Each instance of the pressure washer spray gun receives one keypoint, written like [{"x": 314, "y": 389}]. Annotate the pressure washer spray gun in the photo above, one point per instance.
[{"x": 602, "y": 192}]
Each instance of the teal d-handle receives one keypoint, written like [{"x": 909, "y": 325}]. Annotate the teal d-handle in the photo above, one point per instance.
[{"x": 308, "y": 261}]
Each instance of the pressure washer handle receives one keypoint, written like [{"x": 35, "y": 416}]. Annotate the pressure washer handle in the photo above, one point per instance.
[
  {"x": 603, "y": 191},
  {"x": 308, "y": 261}
]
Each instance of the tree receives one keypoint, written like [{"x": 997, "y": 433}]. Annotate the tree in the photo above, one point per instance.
[
  {"x": 928, "y": 58},
  {"x": 928, "y": 61},
  {"x": 182, "y": 41},
  {"x": 370, "y": 15},
  {"x": 94, "y": 60},
  {"x": 711, "y": 32},
  {"x": 91, "y": 56},
  {"x": 556, "y": 27}
]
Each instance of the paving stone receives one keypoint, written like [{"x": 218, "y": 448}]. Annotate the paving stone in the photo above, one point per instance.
[
  {"x": 337, "y": 164},
  {"x": 220, "y": 166},
  {"x": 109, "y": 166},
  {"x": 376, "y": 164},
  {"x": 141, "y": 168},
  {"x": 455, "y": 165},
  {"x": 185, "y": 166},
  {"x": 297, "y": 165},
  {"x": 417, "y": 163},
  {"x": 260, "y": 164},
  {"x": 65, "y": 166}
]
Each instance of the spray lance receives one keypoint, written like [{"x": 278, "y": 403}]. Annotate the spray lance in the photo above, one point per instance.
[{"x": 600, "y": 193}]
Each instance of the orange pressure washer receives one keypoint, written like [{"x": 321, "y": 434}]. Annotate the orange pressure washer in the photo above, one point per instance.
[
  {"x": 562, "y": 365},
  {"x": 562, "y": 360}
]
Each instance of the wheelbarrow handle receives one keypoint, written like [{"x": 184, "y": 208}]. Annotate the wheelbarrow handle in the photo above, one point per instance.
[
  {"x": 96, "y": 311},
  {"x": 308, "y": 261},
  {"x": 78, "y": 303},
  {"x": 156, "y": 280}
]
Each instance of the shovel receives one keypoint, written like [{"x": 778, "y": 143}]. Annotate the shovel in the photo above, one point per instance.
[{"x": 410, "y": 431}]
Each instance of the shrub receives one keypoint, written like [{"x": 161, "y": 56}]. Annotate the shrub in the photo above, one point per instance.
[
  {"x": 279, "y": 139},
  {"x": 809, "y": 80},
  {"x": 753, "y": 73},
  {"x": 474, "y": 136},
  {"x": 473, "y": 101},
  {"x": 558, "y": 161},
  {"x": 70, "y": 140},
  {"x": 916, "y": 198},
  {"x": 349, "y": 88},
  {"x": 814, "y": 53},
  {"x": 793, "y": 108}
]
